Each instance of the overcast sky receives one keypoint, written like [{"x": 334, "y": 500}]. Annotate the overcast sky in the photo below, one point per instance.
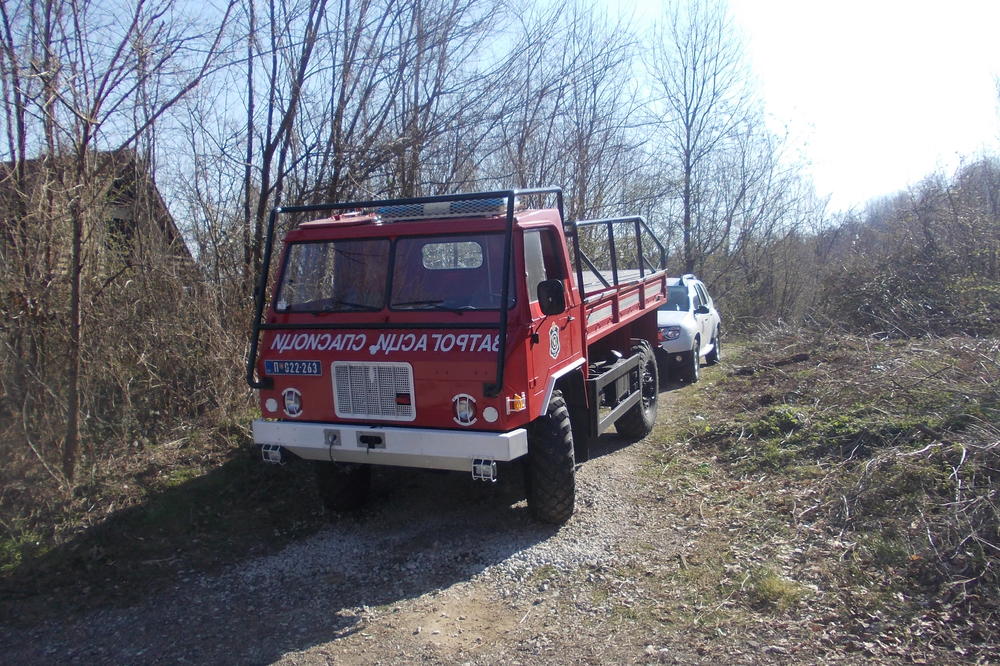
[{"x": 877, "y": 94}]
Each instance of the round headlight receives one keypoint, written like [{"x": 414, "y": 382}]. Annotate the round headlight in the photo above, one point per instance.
[
  {"x": 293, "y": 401},
  {"x": 464, "y": 407}
]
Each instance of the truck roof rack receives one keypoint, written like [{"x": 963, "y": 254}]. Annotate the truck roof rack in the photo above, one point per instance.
[{"x": 443, "y": 209}]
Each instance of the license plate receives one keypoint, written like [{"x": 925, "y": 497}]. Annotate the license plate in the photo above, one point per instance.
[{"x": 311, "y": 368}]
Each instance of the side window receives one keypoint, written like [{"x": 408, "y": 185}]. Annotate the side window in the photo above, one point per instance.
[
  {"x": 541, "y": 260},
  {"x": 696, "y": 300},
  {"x": 703, "y": 294},
  {"x": 534, "y": 263}
]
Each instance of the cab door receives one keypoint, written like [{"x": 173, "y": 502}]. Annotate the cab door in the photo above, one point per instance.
[{"x": 552, "y": 343}]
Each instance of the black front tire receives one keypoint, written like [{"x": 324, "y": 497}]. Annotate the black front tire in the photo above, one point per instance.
[
  {"x": 550, "y": 472},
  {"x": 714, "y": 356},
  {"x": 692, "y": 368},
  {"x": 343, "y": 486},
  {"x": 638, "y": 422}
]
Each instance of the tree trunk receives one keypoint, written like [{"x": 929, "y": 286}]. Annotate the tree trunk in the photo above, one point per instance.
[{"x": 71, "y": 444}]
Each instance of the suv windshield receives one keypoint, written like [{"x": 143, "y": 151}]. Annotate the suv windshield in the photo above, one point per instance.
[
  {"x": 461, "y": 272},
  {"x": 334, "y": 276},
  {"x": 677, "y": 300}
]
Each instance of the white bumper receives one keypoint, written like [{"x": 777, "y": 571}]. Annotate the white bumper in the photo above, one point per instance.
[
  {"x": 684, "y": 342},
  {"x": 404, "y": 447}
]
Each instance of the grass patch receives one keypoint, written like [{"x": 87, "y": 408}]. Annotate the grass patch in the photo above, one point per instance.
[
  {"x": 18, "y": 547},
  {"x": 767, "y": 589},
  {"x": 542, "y": 574},
  {"x": 883, "y": 549},
  {"x": 181, "y": 476}
]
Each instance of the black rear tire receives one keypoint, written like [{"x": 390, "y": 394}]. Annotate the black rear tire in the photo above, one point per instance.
[
  {"x": 638, "y": 421},
  {"x": 550, "y": 468},
  {"x": 343, "y": 486}
]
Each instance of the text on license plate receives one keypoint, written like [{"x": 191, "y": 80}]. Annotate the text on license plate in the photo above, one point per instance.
[{"x": 292, "y": 368}]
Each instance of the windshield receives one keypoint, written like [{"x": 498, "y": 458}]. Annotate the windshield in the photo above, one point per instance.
[
  {"x": 334, "y": 276},
  {"x": 458, "y": 273},
  {"x": 461, "y": 272},
  {"x": 677, "y": 300}
]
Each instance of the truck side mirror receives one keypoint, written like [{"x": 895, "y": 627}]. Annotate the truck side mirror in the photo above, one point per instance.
[{"x": 551, "y": 297}]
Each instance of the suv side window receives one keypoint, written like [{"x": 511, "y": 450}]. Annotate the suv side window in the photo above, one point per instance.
[
  {"x": 702, "y": 294},
  {"x": 696, "y": 300}
]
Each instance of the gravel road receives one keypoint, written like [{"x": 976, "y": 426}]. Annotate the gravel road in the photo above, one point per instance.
[{"x": 438, "y": 568}]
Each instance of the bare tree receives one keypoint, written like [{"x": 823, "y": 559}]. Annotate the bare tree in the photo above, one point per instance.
[
  {"x": 702, "y": 99},
  {"x": 570, "y": 110},
  {"x": 93, "y": 94}
]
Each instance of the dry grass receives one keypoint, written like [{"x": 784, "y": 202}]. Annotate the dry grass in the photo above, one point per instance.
[{"x": 874, "y": 466}]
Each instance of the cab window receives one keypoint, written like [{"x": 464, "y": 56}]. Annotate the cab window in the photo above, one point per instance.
[
  {"x": 541, "y": 260},
  {"x": 455, "y": 272},
  {"x": 334, "y": 276}
]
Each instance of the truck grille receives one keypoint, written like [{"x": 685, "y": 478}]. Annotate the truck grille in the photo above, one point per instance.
[{"x": 381, "y": 391}]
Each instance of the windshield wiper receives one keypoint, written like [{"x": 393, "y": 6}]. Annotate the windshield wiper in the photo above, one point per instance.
[
  {"x": 335, "y": 304},
  {"x": 419, "y": 304},
  {"x": 432, "y": 304}
]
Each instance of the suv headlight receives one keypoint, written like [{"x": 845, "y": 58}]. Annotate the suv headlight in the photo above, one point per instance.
[{"x": 669, "y": 333}]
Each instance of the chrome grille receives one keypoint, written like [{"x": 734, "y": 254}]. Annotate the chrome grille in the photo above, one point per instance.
[{"x": 373, "y": 391}]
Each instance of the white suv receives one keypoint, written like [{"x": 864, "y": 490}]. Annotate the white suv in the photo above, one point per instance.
[{"x": 689, "y": 329}]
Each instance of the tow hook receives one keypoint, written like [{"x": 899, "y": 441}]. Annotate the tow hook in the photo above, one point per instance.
[
  {"x": 484, "y": 470},
  {"x": 272, "y": 454}
]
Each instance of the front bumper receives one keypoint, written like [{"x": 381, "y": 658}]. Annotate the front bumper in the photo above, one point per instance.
[
  {"x": 675, "y": 359},
  {"x": 683, "y": 342},
  {"x": 404, "y": 447}
]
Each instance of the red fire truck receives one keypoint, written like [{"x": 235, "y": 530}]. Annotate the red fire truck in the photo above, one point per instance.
[{"x": 453, "y": 332}]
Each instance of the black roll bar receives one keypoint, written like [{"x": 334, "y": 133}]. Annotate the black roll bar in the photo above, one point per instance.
[
  {"x": 491, "y": 390},
  {"x": 639, "y": 224}
]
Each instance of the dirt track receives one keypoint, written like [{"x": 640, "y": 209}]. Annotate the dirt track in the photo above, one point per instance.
[{"x": 437, "y": 568}]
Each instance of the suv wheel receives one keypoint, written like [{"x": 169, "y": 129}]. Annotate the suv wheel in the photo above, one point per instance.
[
  {"x": 689, "y": 373},
  {"x": 715, "y": 355}
]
